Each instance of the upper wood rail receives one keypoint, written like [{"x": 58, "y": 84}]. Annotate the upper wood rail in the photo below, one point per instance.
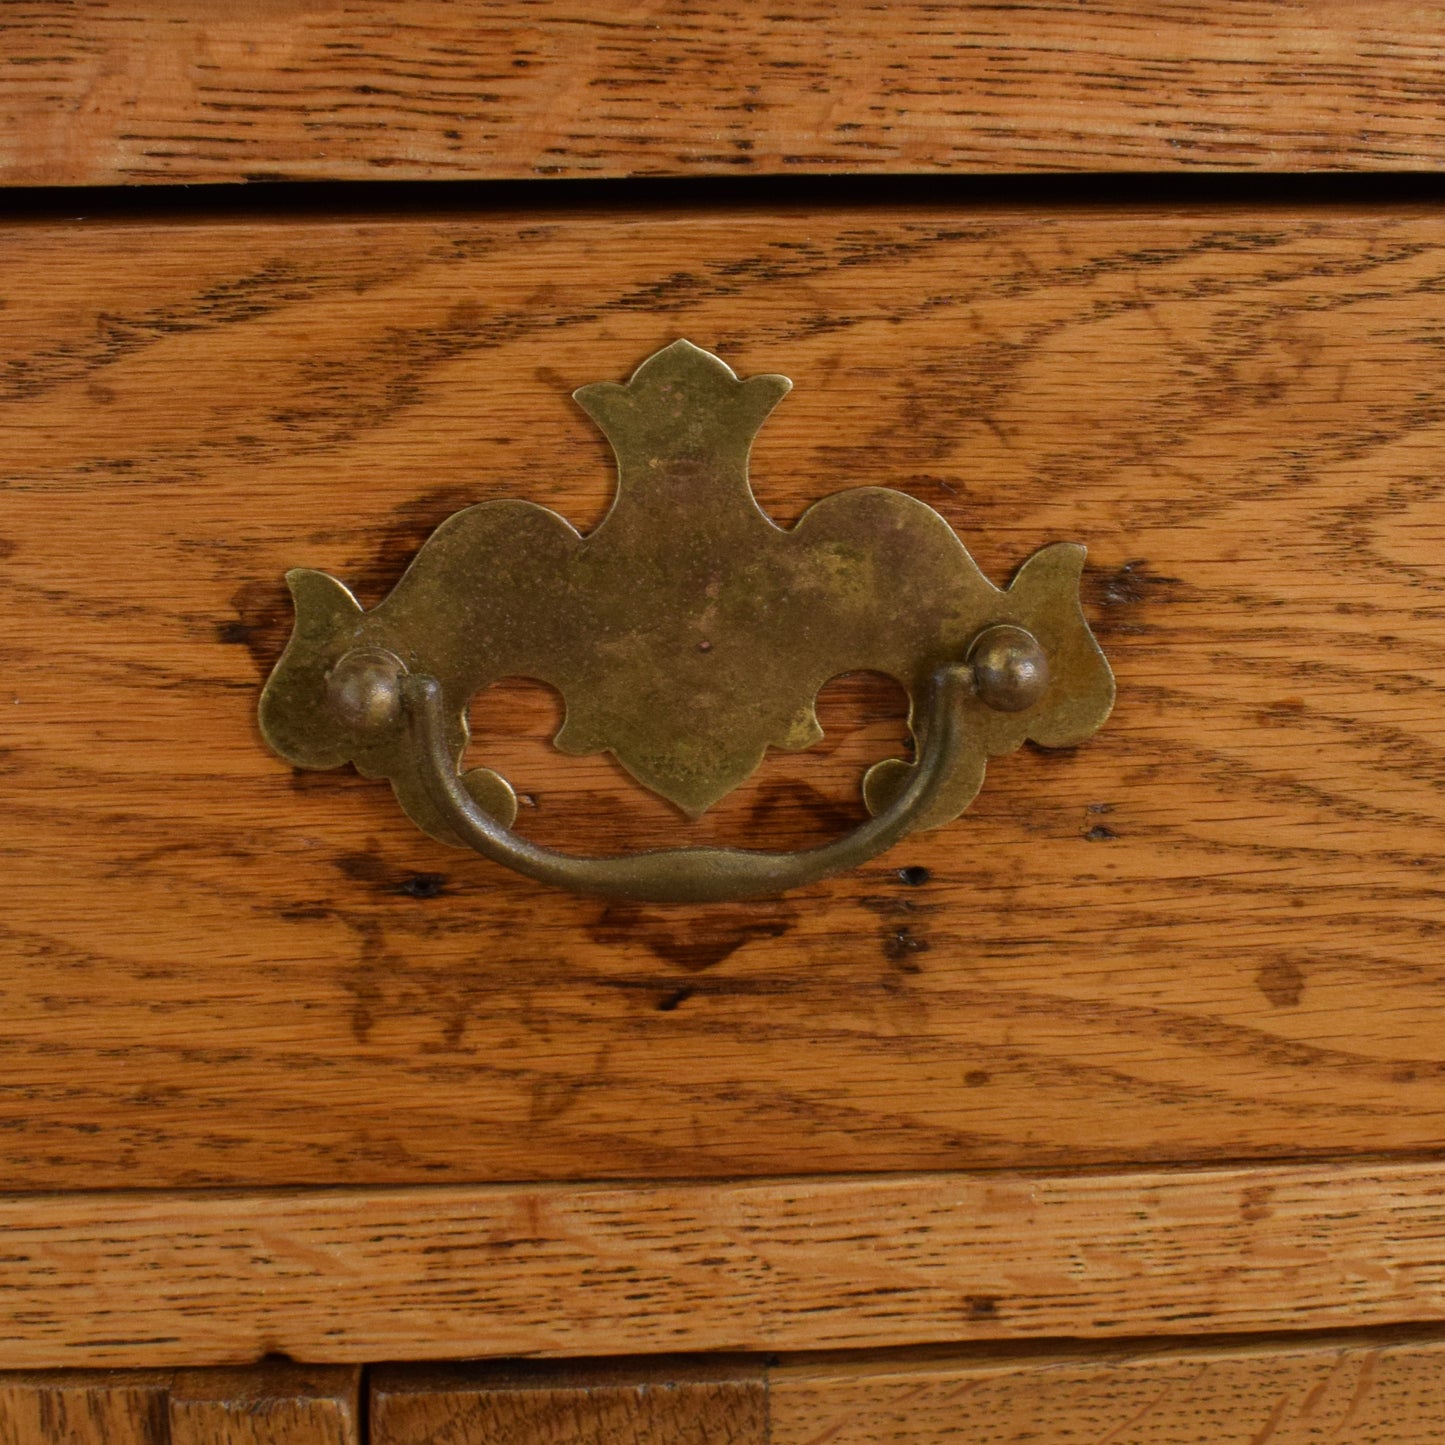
[
  {"x": 485, "y": 89},
  {"x": 347, "y": 1276}
]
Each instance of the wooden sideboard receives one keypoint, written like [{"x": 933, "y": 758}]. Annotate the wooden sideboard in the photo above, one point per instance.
[{"x": 1112, "y": 1111}]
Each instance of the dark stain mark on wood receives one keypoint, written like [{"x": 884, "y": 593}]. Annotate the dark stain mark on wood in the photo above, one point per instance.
[
  {"x": 400, "y": 538},
  {"x": 981, "y": 1306},
  {"x": 370, "y": 868},
  {"x": 424, "y": 885},
  {"x": 364, "y": 868},
  {"x": 1254, "y": 1203},
  {"x": 893, "y": 905},
  {"x": 308, "y": 780},
  {"x": 262, "y": 622},
  {"x": 1123, "y": 586},
  {"x": 549, "y": 1099},
  {"x": 977, "y": 1078},
  {"x": 783, "y": 795},
  {"x": 1099, "y": 833},
  {"x": 365, "y": 979},
  {"x": 695, "y": 941},
  {"x": 1121, "y": 593},
  {"x": 669, "y": 1001},
  {"x": 900, "y": 947},
  {"x": 1281, "y": 981},
  {"x": 1285, "y": 712}
]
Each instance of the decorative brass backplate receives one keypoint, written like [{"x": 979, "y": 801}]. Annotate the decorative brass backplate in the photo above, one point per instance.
[{"x": 687, "y": 634}]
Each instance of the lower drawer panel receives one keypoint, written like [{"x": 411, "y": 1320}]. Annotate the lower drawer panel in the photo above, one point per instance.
[
  {"x": 1213, "y": 933},
  {"x": 266, "y": 1404},
  {"x": 1288, "y": 1394},
  {"x": 1368, "y": 1392}
]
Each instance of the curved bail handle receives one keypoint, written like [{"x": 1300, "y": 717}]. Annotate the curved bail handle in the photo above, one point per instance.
[{"x": 690, "y": 875}]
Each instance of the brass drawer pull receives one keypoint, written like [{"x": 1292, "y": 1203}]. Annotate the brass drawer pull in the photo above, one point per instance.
[{"x": 687, "y": 633}]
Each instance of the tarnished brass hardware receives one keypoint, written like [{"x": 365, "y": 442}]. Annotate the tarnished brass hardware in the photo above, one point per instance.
[
  {"x": 1010, "y": 669},
  {"x": 364, "y": 690},
  {"x": 687, "y": 633},
  {"x": 692, "y": 875}
]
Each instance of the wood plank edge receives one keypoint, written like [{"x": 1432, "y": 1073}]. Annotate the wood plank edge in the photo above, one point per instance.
[{"x": 451, "y": 1272}]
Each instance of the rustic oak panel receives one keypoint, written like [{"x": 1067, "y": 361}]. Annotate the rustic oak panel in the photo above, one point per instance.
[
  {"x": 265, "y": 1404},
  {"x": 1211, "y": 933},
  {"x": 1362, "y": 1391},
  {"x": 84, "y": 1407},
  {"x": 454, "y": 1272},
  {"x": 622, "y": 1402},
  {"x": 195, "y": 91}
]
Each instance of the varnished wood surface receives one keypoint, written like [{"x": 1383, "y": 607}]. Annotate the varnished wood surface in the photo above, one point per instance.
[
  {"x": 1213, "y": 932},
  {"x": 308, "y": 89},
  {"x": 265, "y": 1404},
  {"x": 82, "y": 1407},
  {"x": 618, "y": 1402},
  {"x": 453, "y": 1272},
  {"x": 1368, "y": 1389},
  {"x": 1361, "y": 1391}
]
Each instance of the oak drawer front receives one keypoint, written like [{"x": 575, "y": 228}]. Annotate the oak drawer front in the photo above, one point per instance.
[
  {"x": 1382, "y": 1391},
  {"x": 1370, "y": 1393},
  {"x": 1210, "y": 934},
  {"x": 275, "y": 1403}
]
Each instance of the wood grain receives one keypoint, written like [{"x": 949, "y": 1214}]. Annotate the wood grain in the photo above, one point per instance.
[
  {"x": 1361, "y": 1391},
  {"x": 310, "y": 89},
  {"x": 1212, "y": 933},
  {"x": 1365, "y": 1388},
  {"x": 454, "y": 1272},
  {"x": 274, "y": 1403},
  {"x": 621, "y": 1402},
  {"x": 266, "y": 1404},
  {"x": 84, "y": 1407}
]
